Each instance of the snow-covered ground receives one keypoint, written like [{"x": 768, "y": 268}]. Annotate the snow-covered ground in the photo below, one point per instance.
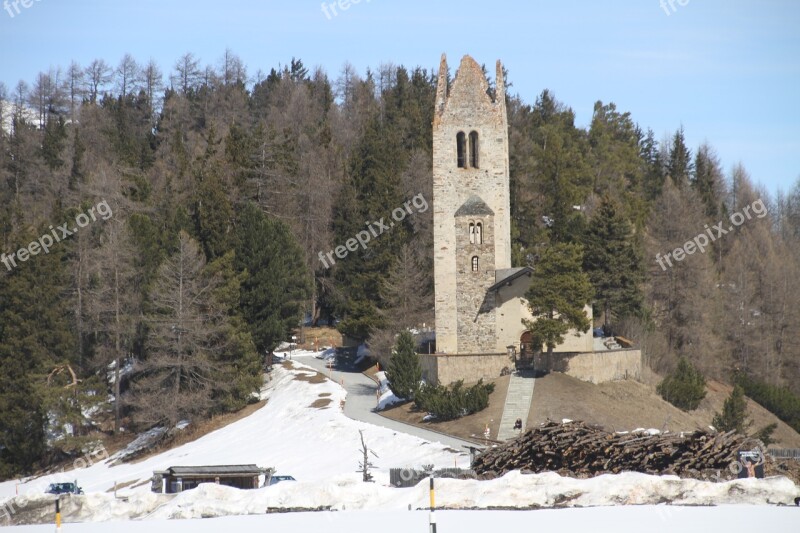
[
  {"x": 312, "y": 444},
  {"x": 633, "y": 519},
  {"x": 320, "y": 448}
]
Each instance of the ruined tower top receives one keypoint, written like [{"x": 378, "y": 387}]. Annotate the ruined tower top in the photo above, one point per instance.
[{"x": 467, "y": 97}]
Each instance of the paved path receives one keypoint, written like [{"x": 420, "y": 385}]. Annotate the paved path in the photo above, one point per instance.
[
  {"x": 361, "y": 403},
  {"x": 518, "y": 404}
]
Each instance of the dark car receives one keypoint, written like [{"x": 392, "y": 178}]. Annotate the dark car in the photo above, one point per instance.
[
  {"x": 277, "y": 479},
  {"x": 64, "y": 488}
]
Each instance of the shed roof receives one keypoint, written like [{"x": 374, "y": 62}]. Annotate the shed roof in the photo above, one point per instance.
[{"x": 225, "y": 470}]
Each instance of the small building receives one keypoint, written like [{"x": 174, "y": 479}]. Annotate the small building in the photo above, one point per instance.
[{"x": 180, "y": 478}]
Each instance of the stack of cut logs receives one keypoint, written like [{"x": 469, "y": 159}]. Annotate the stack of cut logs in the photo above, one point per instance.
[{"x": 576, "y": 449}]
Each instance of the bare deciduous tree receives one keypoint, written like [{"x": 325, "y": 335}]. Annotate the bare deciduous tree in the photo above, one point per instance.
[
  {"x": 176, "y": 380},
  {"x": 98, "y": 75}
]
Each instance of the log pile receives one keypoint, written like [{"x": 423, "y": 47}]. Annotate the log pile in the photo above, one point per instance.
[{"x": 579, "y": 450}]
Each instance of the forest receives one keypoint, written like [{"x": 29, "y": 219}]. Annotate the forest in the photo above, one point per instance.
[{"x": 224, "y": 186}]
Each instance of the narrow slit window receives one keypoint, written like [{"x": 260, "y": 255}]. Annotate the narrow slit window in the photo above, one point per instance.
[
  {"x": 474, "y": 150},
  {"x": 478, "y": 233},
  {"x": 461, "y": 148},
  {"x": 475, "y": 263}
]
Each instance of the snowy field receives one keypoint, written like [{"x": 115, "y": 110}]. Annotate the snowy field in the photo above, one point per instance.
[
  {"x": 320, "y": 448},
  {"x": 652, "y": 519}
]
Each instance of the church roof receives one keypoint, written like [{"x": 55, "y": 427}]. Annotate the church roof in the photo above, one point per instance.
[
  {"x": 507, "y": 276},
  {"x": 474, "y": 206}
]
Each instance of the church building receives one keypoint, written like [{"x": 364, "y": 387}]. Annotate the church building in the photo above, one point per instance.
[{"x": 478, "y": 295}]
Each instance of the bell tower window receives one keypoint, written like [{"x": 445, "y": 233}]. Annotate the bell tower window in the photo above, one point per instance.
[
  {"x": 474, "y": 150},
  {"x": 461, "y": 148},
  {"x": 478, "y": 233},
  {"x": 471, "y": 233}
]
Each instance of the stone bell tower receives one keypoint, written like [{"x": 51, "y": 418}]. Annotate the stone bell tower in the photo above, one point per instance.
[{"x": 471, "y": 211}]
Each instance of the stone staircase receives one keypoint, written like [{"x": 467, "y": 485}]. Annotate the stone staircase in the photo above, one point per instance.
[{"x": 518, "y": 403}]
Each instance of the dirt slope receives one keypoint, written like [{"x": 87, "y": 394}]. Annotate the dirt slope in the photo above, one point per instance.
[{"x": 626, "y": 405}]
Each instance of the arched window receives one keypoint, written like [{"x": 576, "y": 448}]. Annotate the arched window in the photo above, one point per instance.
[
  {"x": 478, "y": 233},
  {"x": 471, "y": 233},
  {"x": 475, "y": 263},
  {"x": 461, "y": 148},
  {"x": 474, "y": 149}
]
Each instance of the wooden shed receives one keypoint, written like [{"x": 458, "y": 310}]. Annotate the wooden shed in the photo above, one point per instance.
[{"x": 180, "y": 478}]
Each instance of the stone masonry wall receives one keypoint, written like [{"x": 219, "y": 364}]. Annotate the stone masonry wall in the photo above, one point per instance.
[
  {"x": 447, "y": 369},
  {"x": 477, "y": 325},
  {"x": 465, "y": 107}
]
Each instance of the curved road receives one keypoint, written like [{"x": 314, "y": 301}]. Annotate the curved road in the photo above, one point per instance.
[{"x": 361, "y": 402}]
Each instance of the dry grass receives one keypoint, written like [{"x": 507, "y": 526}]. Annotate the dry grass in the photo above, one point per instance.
[
  {"x": 319, "y": 337},
  {"x": 321, "y": 403},
  {"x": 469, "y": 427},
  {"x": 616, "y": 406},
  {"x": 315, "y": 378},
  {"x": 627, "y": 405},
  {"x": 372, "y": 371}
]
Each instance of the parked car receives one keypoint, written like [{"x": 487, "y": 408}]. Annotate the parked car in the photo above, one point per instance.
[
  {"x": 64, "y": 488},
  {"x": 277, "y": 479}
]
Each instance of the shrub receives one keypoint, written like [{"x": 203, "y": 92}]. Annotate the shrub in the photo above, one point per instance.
[
  {"x": 684, "y": 388},
  {"x": 780, "y": 401},
  {"x": 455, "y": 401},
  {"x": 734, "y": 413}
]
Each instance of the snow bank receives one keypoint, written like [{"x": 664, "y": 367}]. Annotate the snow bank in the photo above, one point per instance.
[{"x": 348, "y": 493}]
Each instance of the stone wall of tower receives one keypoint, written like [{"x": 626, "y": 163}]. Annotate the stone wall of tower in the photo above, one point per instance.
[
  {"x": 476, "y": 322},
  {"x": 465, "y": 106}
]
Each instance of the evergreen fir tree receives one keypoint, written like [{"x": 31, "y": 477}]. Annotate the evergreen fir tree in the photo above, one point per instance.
[
  {"x": 404, "y": 372},
  {"x": 684, "y": 388},
  {"x": 734, "y": 413},
  {"x": 277, "y": 282},
  {"x": 613, "y": 263},
  {"x": 680, "y": 165},
  {"x": 559, "y": 291}
]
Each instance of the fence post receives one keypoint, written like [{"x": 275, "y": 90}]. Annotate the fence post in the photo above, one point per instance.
[
  {"x": 432, "y": 517},
  {"x": 58, "y": 515}
]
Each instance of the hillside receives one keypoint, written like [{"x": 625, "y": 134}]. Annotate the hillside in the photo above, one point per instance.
[
  {"x": 617, "y": 406},
  {"x": 626, "y": 405},
  {"x": 319, "y": 446}
]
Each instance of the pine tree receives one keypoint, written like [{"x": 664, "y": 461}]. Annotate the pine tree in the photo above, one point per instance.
[
  {"x": 684, "y": 388},
  {"x": 680, "y": 165},
  {"x": 613, "y": 263},
  {"x": 36, "y": 334},
  {"x": 404, "y": 372},
  {"x": 653, "y": 166},
  {"x": 559, "y": 292},
  {"x": 734, "y": 413},
  {"x": 708, "y": 179},
  {"x": 277, "y": 282}
]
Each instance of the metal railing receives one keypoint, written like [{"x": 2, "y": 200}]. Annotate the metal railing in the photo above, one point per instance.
[{"x": 784, "y": 453}]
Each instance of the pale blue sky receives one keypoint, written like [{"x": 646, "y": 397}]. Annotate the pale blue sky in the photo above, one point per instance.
[{"x": 728, "y": 70}]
